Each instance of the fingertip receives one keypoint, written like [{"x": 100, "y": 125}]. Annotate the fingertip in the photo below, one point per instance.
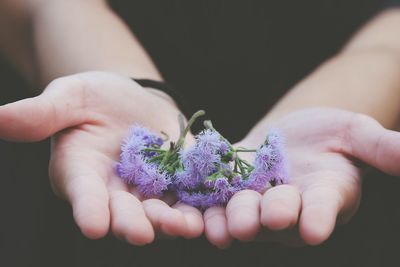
[
  {"x": 280, "y": 207},
  {"x": 320, "y": 208},
  {"x": 195, "y": 226},
  {"x": 221, "y": 240},
  {"x": 316, "y": 225},
  {"x": 164, "y": 218},
  {"x": 193, "y": 218},
  {"x": 136, "y": 231},
  {"x": 93, "y": 231},
  {"x": 93, "y": 219},
  {"x": 279, "y": 217},
  {"x": 173, "y": 223},
  {"x": 244, "y": 229},
  {"x": 216, "y": 229},
  {"x": 143, "y": 234},
  {"x": 128, "y": 219},
  {"x": 85, "y": 190},
  {"x": 243, "y": 214}
]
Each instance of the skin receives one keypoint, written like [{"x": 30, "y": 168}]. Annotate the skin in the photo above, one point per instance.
[{"x": 88, "y": 113}]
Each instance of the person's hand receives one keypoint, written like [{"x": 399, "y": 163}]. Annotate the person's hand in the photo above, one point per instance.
[
  {"x": 88, "y": 116},
  {"x": 323, "y": 148}
]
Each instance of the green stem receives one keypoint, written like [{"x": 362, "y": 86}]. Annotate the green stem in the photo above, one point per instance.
[
  {"x": 153, "y": 149},
  {"x": 166, "y": 158},
  {"x": 156, "y": 158},
  {"x": 245, "y": 150},
  {"x": 242, "y": 169},
  {"x": 171, "y": 167},
  {"x": 185, "y": 131},
  {"x": 245, "y": 162}
]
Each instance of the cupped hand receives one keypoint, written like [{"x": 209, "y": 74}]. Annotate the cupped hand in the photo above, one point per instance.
[
  {"x": 324, "y": 148},
  {"x": 88, "y": 115}
]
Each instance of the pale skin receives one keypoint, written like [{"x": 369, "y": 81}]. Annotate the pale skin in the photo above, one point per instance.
[{"x": 88, "y": 114}]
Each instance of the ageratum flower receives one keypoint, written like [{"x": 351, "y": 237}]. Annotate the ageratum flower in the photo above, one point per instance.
[
  {"x": 207, "y": 174},
  {"x": 135, "y": 167},
  {"x": 269, "y": 166},
  {"x": 219, "y": 194},
  {"x": 145, "y": 137},
  {"x": 152, "y": 181},
  {"x": 201, "y": 160}
]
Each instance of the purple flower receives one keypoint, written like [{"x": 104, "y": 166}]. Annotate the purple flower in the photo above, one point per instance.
[
  {"x": 270, "y": 165},
  {"x": 202, "y": 200},
  {"x": 134, "y": 167},
  {"x": 152, "y": 182},
  {"x": 201, "y": 160},
  {"x": 210, "y": 140},
  {"x": 187, "y": 179},
  {"x": 130, "y": 167},
  {"x": 204, "y": 175},
  {"x": 224, "y": 189},
  {"x": 149, "y": 139},
  {"x": 238, "y": 183},
  {"x": 217, "y": 192},
  {"x": 140, "y": 138}
]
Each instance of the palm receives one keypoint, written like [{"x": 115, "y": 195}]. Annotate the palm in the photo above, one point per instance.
[
  {"x": 321, "y": 170},
  {"x": 94, "y": 112},
  {"x": 322, "y": 148},
  {"x": 317, "y": 150}
]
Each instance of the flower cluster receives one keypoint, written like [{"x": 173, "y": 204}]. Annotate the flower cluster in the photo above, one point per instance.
[
  {"x": 137, "y": 164},
  {"x": 206, "y": 174}
]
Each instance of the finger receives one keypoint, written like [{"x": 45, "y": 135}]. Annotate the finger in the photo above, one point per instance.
[
  {"x": 128, "y": 218},
  {"x": 85, "y": 190},
  {"x": 216, "y": 227},
  {"x": 320, "y": 207},
  {"x": 164, "y": 218},
  {"x": 280, "y": 207},
  {"x": 194, "y": 220},
  {"x": 37, "y": 118},
  {"x": 373, "y": 144},
  {"x": 243, "y": 214}
]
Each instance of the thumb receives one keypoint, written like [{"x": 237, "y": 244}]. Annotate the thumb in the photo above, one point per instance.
[
  {"x": 372, "y": 143},
  {"x": 37, "y": 118}
]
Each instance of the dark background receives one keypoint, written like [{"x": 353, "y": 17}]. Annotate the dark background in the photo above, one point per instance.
[{"x": 234, "y": 59}]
